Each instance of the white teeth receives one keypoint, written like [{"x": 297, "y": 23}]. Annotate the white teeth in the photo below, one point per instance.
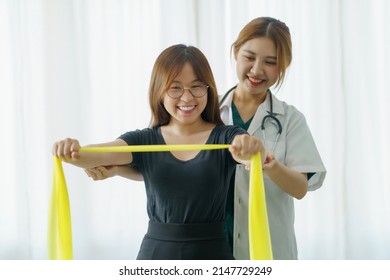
[
  {"x": 186, "y": 108},
  {"x": 254, "y": 80}
]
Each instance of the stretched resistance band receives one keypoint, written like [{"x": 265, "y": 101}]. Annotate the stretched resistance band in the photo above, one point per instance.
[{"x": 60, "y": 228}]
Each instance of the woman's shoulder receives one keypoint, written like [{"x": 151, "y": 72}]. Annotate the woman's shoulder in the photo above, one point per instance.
[
  {"x": 141, "y": 136},
  {"x": 226, "y": 133},
  {"x": 289, "y": 110},
  {"x": 141, "y": 131},
  {"x": 292, "y": 118},
  {"x": 222, "y": 128}
]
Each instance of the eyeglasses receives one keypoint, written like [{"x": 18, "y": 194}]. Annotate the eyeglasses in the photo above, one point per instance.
[{"x": 196, "y": 91}]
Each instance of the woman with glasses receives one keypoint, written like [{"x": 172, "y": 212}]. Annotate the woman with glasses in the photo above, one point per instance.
[
  {"x": 263, "y": 52},
  {"x": 186, "y": 190}
]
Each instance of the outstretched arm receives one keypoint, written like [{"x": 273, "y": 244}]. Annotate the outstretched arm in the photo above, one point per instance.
[
  {"x": 243, "y": 148},
  {"x": 68, "y": 151}
]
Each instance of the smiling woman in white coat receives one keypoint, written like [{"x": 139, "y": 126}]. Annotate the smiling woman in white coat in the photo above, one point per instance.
[{"x": 263, "y": 52}]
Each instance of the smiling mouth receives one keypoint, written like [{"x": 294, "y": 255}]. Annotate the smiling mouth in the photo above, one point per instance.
[
  {"x": 255, "y": 81},
  {"x": 186, "y": 108}
]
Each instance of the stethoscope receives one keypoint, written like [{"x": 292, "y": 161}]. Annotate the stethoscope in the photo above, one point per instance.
[{"x": 271, "y": 117}]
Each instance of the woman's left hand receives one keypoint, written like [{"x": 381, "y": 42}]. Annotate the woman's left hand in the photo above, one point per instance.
[
  {"x": 269, "y": 161},
  {"x": 245, "y": 146}
]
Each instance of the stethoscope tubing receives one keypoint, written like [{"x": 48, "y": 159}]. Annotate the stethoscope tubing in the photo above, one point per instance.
[{"x": 271, "y": 115}]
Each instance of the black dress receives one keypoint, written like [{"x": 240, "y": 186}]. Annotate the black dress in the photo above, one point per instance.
[{"x": 185, "y": 199}]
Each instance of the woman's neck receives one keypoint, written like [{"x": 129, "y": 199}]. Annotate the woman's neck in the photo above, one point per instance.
[
  {"x": 243, "y": 97},
  {"x": 247, "y": 103}
]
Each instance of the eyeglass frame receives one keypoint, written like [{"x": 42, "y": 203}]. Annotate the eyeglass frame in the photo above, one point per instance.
[{"x": 183, "y": 89}]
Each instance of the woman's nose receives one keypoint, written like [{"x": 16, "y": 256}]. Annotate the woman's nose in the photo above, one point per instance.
[
  {"x": 257, "y": 68},
  {"x": 187, "y": 96}
]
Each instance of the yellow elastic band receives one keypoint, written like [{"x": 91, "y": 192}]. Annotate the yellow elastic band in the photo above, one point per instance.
[
  {"x": 60, "y": 227},
  {"x": 60, "y": 230},
  {"x": 154, "y": 148},
  {"x": 260, "y": 247}
]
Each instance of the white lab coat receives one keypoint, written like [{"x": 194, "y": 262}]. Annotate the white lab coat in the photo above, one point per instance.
[{"x": 295, "y": 149}]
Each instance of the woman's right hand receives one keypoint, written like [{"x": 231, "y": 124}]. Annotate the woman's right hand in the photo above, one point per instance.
[
  {"x": 67, "y": 149},
  {"x": 102, "y": 172}
]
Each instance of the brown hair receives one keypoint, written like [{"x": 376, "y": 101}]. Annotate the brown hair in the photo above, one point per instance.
[
  {"x": 166, "y": 68},
  {"x": 273, "y": 29}
]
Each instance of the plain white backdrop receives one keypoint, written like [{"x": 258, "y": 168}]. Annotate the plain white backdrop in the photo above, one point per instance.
[{"x": 81, "y": 68}]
